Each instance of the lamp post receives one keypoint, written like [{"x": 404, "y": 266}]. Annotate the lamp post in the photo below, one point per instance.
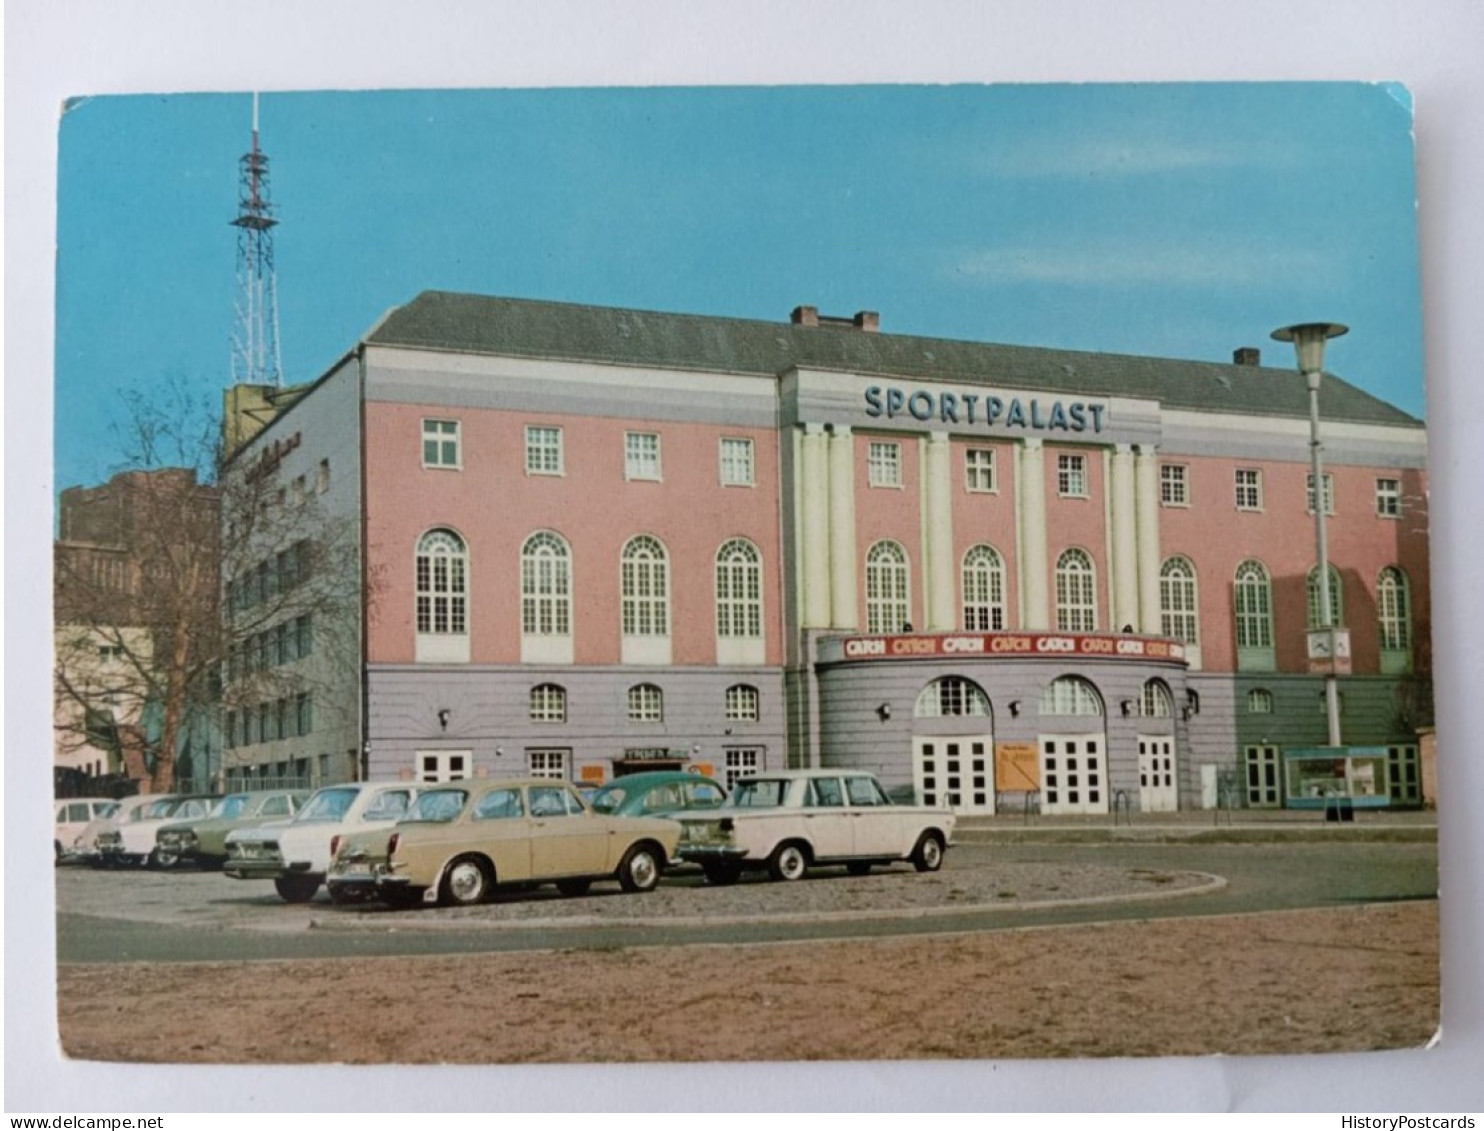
[{"x": 1308, "y": 339}]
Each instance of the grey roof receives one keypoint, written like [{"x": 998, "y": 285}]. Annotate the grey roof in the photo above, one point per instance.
[{"x": 440, "y": 320}]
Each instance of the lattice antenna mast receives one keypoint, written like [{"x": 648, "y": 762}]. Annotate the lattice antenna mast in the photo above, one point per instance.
[{"x": 255, "y": 354}]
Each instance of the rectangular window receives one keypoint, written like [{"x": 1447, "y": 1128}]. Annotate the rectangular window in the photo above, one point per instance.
[
  {"x": 543, "y": 450},
  {"x": 322, "y": 479},
  {"x": 1249, "y": 489},
  {"x": 440, "y": 443},
  {"x": 438, "y": 766},
  {"x": 884, "y": 463},
  {"x": 547, "y": 763},
  {"x": 741, "y": 761},
  {"x": 304, "y": 635},
  {"x": 281, "y": 643},
  {"x": 298, "y": 488},
  {"x": 304, "y": 714},
  {"x": 736, "y": 463},
  {"x": 1071, "y": 476},
  {"x": 1389, "y": 498},
  {"x": 281, "y": 718},
  {"x": 266, "y": 725},
  {"x": 1174, "y": 485},
  {"x": 979, "y": 470},
  {"x": 641, "y": 455},
  {"x": 1329, "y": 492},
  {"x": 646, "y": 704}
]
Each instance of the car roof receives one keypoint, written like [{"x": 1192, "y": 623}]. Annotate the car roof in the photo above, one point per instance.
[
  {"x": 657, "y": 777},
  {"x": 818, "y": 772}
]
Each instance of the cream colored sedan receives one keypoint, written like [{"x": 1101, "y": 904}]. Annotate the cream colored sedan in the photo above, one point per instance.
[{"x": 461, "y": 841}]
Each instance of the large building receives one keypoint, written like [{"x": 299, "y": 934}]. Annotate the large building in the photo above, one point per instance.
[{"x": 592, "y": 540}]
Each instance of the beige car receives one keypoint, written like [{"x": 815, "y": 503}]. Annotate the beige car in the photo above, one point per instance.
[{"x": 462, "y": 840}]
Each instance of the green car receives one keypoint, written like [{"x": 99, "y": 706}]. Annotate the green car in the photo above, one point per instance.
[
  {"x": 203, "y": 842},
  {"x": 657, "y": 794}
]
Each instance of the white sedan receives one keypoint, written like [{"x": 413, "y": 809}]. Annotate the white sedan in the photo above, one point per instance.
[{"x": 789, "y": 821}]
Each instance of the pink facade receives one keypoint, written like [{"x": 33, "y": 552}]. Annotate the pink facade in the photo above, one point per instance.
[{"x": 494, "y": 505}]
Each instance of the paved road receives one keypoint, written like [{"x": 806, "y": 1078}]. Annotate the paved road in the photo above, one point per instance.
[{"x": 1258, "y": 878}]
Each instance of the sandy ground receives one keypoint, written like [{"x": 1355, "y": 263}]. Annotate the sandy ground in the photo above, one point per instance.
[{"x": 1305, "y": 981}]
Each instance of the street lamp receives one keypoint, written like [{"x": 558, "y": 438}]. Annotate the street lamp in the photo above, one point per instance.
[{"x": 1308, "y": 340}]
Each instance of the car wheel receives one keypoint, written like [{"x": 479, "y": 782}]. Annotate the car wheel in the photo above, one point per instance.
[
  {"x": 859, "y": 867},
  {"x": 466, "y": 882},
  {"x": 640, "y": 869},
  {"x": 573, "y": 887},
  {"x": 722, "y": 875},
  {"x": 928, "y": 855},
  {"x": 296, "y": 889},
  {"x": 788, "y": 862}
]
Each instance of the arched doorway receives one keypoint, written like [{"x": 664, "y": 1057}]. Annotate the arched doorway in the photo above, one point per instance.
[
  {"x": 1074, "y": 759},
  {"x": 954, "y": 765}
]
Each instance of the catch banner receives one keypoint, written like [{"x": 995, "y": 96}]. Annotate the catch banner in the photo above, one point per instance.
[{"x": 1104, "y": 646}]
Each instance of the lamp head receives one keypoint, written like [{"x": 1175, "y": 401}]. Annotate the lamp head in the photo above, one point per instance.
[{"x": 1308, "y": 340}]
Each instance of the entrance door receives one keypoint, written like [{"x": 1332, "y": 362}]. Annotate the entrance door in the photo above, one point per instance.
[
  {"x": 1073, "y": 774},
  {"x": 1157, "y": 790},
  {"x": 1264, "y": 780},
  {"x": 956, "y": 771}
]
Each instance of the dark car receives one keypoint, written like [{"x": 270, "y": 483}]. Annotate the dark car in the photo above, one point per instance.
[
  {"x": 657, "y": 794},
  {"x": 203, "y": 842}
]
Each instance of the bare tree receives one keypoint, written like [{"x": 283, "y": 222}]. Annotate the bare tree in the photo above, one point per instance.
[{"x": 145, "y": 653}]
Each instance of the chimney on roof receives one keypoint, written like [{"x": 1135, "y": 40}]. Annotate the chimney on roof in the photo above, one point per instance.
[
  {"x": 867, "y": 321},
  {"x": 1247, "y": 355},
  {"x": 805, "y": 316}
]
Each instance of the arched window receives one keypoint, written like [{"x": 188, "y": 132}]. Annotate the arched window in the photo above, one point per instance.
[
  {"x": 545, "y": 586},
  {"x": 742, "y": 703},
  {"x": 951, "y": 696},
  {"x": 1254, "y": 602},
  {"x": 646, "y": 588},
  {"x": 646, "y": 703},
  {"x": 548, "y": 703},
  {"x": 442, "y": 586},
  {"x": 1156, "y": 702},
  {"x": 1259, "y": 701},
  {"x": 1336, "y": 603},
  {"x": 1071, "y": 695},
  {"x": 1076, "y": 593},
  {"x": 984, "y": 590},
  {"x": 1177, "y": 604},
  {"x": 887, "y": 607},
  {"x": 1394, "y": 608},
  {"x": 739, "y": 589}
]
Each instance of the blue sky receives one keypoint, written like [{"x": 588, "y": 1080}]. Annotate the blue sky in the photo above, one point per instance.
[{"x": 1166, "y": 220}]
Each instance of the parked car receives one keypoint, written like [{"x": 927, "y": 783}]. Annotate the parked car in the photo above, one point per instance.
[
  {"x": 203, "y": 842},
  {"x": 296, "y": 854},
  {"x": 657, "y": 793},
  {"x": 463, "y": 840},
  {"x": 790, "y": 821},
  {"x": 73, "y": 815},
  {"x": 132, "y": 839}
]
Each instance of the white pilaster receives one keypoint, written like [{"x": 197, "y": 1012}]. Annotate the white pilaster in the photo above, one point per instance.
[
  {"x": 844, "y": 595},
  {"x": 937, "y": 533},
  {"x": 1030, "y": 498},
  {"x": 1146, "y": 488},
  {"x": 814, "y": 509},
  {"x": 1125, "y": 540}
]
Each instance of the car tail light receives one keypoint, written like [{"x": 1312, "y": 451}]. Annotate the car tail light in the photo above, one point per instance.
[
  {"x": 391, "y": 844},
  {"x": 334, "y": 845}
]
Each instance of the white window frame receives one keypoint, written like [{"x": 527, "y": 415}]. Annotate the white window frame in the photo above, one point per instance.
[
  {"x": 646, "y": 703},
  {"x": 1394, "y": 620},
  {"x": 884, "y": 463},
  {"x": 544, "y": 450},
  {"x": 888, "y": 588},
  {"x": 551, "y": 763},
  {"x": 645, "y": 587},
  {"x": 1155, "y": 700},
  {"x": 981, "y": 471},
  {"x": 434, "y": 766},
  {"x": 548, "y": 703},
  {"x": 641, "y": 456},
  {"x": 983, "y": 583},
  {"x": 743, "y": 703},
  {"x": 446, "y": 438},
  {"x": 1388, "y": 498},
  {"x": 1336, "y": 598},
  {"x": 1179, "y": 606},
  {"x": 1259, "y": 701},
  {"x": 1329, "y": 492},
  {"x": 545, "y": 585},
  {"x": 951, "y": 696},
  {"x": 1071, "y": 475},
  {"x": 737, "y": 463},
  {"x": 1252, "y": 607},
  {"x": 1248, "y": 483},
  {"x": 739, "y": 590},
  {"x": 1071, "y": 696},
  {"x": 441, "y": 608},
  {"x": 1076, "y": 592},
  {"x": 1174, "y": 485},
  {"x": 741, "y": 761}
]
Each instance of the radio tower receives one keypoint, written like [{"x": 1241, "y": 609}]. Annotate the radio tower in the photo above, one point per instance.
[{"x": 255, "y": 355}]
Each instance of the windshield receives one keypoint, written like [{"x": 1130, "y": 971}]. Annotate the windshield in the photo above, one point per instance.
[
  {"x": 328, "y": 805},
  {"x": 153, "y": 810},
  {"x": 440, "y": 805},
  {"x": 608, "y": 799},
  {"x": 758, "y": 793},
  {"x": 230, "y": 807}
]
